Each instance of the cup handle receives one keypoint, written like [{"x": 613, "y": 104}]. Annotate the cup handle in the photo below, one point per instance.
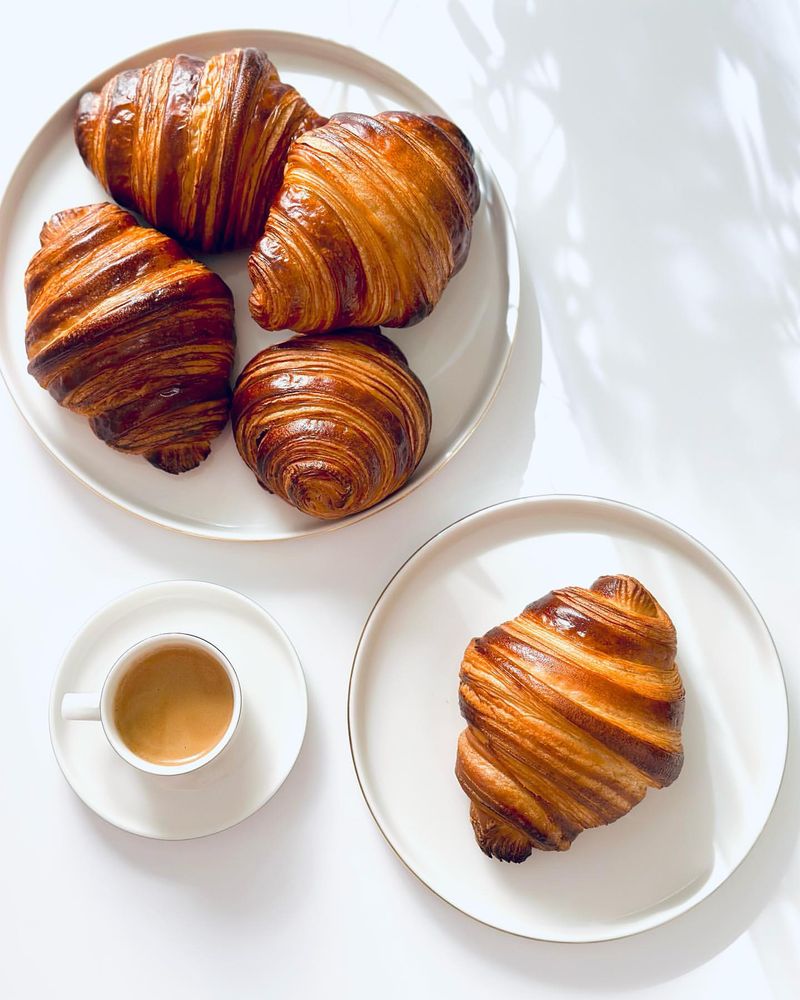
[{"x": 82, "y": 707}]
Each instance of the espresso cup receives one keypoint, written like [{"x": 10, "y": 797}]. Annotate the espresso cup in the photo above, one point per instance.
[{"x": 102, "y": 706}]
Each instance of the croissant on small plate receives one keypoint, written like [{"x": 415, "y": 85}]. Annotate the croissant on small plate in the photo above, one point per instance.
[
  {"x": 197, "y": 147},
  {"x": 573, "y": 711},
  {"x": 126, "y": 329},
  {"x": 333, "y": 425},
  {"x": 373, "y": 218}
]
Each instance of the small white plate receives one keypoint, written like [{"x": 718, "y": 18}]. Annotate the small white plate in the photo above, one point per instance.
[
  {"x": 252, "y": 767},
  {"x": 460, "y": 352},
  {"x": 676, "y": 846}
]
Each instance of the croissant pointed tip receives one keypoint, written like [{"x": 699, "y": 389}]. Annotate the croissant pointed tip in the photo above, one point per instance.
[
  {"x": 87, "y": 105},
  {"x": 454, "y": 133},
  {"x": 83, "y": 124},
  {"x": 627, "y": 592},
  {"x": 60, "y": 221},
  {"x": 497, "y": 839},
  {"x": 176, "y": 459}
]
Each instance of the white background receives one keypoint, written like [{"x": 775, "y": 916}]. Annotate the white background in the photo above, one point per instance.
[{"x": 650, "y": 152}]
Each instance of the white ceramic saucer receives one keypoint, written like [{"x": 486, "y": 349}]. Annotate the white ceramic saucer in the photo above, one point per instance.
[
  {"x": 250, "y": 770},
  {"x": 676, "y": 846}
]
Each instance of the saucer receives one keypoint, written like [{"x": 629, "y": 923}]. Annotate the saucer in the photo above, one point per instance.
[{"x": 250, "y": 769}]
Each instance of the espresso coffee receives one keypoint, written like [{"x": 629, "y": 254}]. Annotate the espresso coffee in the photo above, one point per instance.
[{"x": 174, "y": 704}]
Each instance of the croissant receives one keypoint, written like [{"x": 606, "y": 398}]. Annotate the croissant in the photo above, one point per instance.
[
  {"x": 331, "y": 424},
  {"x": 197, "y": 148},
  {"x": 126, "y": 329},
  {"x": 573, "y": 711},
  {"x": 373, "y": 218}
]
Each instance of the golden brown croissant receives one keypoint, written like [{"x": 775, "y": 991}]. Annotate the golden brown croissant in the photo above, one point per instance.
[
  {"x": 331, "y": 424},
  {"x": 126, "y": 329},
  {"x": 574, "y": 710},
  {"x": 373, "y": 218},
  {"x": 198, "y": 148}
]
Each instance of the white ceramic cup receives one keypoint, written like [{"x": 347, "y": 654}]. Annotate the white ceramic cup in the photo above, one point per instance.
[{"x": 99, "y": 706}]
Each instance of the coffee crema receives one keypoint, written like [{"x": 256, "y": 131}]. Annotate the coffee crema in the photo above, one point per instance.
[{"x": 174, "y": 704}]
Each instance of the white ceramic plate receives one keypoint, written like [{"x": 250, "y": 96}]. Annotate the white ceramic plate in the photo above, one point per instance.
[
  {"x": 676, "y": 846},
  {"x": 250, "y": 769},
  {"x": 460, "y": 352}
]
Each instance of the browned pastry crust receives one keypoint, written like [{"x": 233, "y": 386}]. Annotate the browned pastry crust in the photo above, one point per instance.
[
  {"x": 574, "y": 710},
  {"x": 373, "y": 218},
  {"x": 198, "y": 148},
  {"x": 333, "y": 425},
  {"x": 126, "y": 329}
]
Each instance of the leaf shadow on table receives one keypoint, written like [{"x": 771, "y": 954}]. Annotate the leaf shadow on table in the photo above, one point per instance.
[
  {"x": 717, "y": 257},
  {"x": 717, "y": 178}
]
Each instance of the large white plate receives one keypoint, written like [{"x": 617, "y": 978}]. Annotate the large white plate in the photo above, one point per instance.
[
  {"x": 676, "y": 846},
  {"x": 460, "y": 352}
]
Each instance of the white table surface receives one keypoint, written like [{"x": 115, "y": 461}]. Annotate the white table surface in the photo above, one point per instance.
[{"x": 649, "y": 151}]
